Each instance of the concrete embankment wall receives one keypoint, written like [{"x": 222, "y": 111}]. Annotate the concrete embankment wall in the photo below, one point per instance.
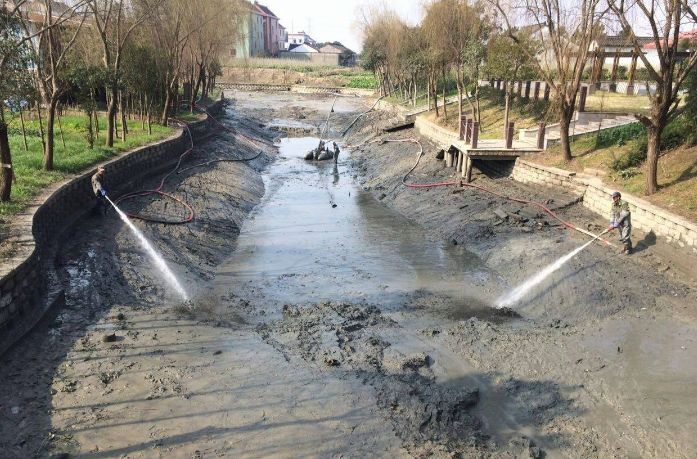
[
  {"x": 597, "y": 198},
  {"x": 28, "y": 286}
]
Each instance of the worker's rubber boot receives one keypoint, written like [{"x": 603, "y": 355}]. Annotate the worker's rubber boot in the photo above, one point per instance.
[{"x": 627, "y": 248}]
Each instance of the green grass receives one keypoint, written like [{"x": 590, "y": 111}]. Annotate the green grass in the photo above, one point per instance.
[
  {"x": 75, "y": 157},
  {"x": 677, "y": 168},
  {"x": 282, "y": 64},
  {"x": 617, "y": 103},
  {"x": 364, "y": 81}
]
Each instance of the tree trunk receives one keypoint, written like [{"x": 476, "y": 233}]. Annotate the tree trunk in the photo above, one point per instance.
[
  {"x": 165, "y": 110},
  {"x": 142, "y": 112},
  {"x": 428, "y": 93},
  {"x": 653, "y": 147},
  {"x": 24, "y": 132},
  {"x": 41, "y": 125},
  {"x": 507, "y": 110},
  {"x": 445, "y": 108},
  {"x": 111, "y": 116},
  {"x": 5, "y": 164},
  {"x": 50, "y": 133},
  {"x": 564, "y": 122},
  {"x": 122, "y": 109},
  {"x": 196, "y": 87},
  {"x": 459, "y": 108}
]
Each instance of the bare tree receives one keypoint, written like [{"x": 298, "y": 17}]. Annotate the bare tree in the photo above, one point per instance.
[
  {"x": 565, "y": 31},
  {"x": 49, "y": 55},
  {"x": 457, "y": 31},
  {"x": 505, "y": 60},
  {"x": 665, "y": 19},
  {"x": 114, "y": 25}
]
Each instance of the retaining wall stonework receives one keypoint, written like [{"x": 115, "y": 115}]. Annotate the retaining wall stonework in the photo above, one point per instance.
[
  {"x": 442, "y": 136},
  {"x": 28, "y": 286},
  {"x": 597, "y": 197}
]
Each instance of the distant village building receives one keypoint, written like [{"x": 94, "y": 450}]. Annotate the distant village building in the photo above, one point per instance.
[
  {"x": 271, "y": 28},
  {"x": 302, "y": 48},
  {"x": 345, "y": 56},
  {"x": 259, "y": 34},
  {"x": 282, "y": 37},
  {"x": 250, "y": 34},
  {"x": 299, "y": 38}
]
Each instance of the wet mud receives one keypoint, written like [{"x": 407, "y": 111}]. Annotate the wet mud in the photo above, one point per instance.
[{"x": 337, "y": 313}]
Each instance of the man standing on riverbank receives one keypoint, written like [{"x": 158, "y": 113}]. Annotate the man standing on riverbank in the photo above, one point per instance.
[
  {"x": 99, "y": 191},
  {"x": 621, "y": 219}
]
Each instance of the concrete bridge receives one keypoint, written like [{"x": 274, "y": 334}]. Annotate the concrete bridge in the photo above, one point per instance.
[{"x": 460, "y": 153}]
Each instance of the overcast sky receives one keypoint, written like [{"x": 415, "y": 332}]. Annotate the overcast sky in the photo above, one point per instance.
[{"x": 334, "y": 20}]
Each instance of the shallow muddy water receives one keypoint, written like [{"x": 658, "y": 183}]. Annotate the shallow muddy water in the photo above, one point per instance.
[{"x": 318, "y": 236}]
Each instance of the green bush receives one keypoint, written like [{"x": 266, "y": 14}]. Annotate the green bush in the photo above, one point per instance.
[
  {"x": 28, "y": 132},
  {"x": 675, "y": 134},
  {"x": 619, "y": 135},
  {"x": 633, "y": 158}
]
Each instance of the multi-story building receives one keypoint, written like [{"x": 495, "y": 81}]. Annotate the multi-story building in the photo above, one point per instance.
[
  {"x": 259, "y": 33},
  {"x": 250, "y": 34},
  {"x": 271, "y": 30}
]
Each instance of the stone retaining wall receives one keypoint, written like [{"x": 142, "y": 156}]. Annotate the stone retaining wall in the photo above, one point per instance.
[
  {"x": 442, "y": 136},
  {"x": 597, "y": 197},
  {"x": 28, "y": 287}
]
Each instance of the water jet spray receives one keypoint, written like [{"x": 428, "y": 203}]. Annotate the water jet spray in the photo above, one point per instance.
[
  {"x": 519, "y": 292},
  {"x": 157, "y": 259}
]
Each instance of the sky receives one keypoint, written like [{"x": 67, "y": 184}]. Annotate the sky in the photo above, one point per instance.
[{"x": 334, "y": 20}]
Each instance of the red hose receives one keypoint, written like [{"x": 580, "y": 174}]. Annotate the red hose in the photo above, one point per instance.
[
  {"x": 158, "y": 191},
  {"x": 481, "y": 188},
  {"x": 136, "y": 194}
]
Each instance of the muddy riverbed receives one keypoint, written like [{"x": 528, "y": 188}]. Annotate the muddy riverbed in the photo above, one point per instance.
[{"x": 338, "y": 313}]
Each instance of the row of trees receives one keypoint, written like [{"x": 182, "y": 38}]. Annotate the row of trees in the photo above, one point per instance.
[
  {"x": 120, "y": 54},
  {"x": 548, "y": 40}
]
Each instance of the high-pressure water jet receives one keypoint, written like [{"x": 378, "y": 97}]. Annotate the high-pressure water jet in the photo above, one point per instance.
[
  {"x": 515, "y": 295},
  {"x": 157, "y": 259}
]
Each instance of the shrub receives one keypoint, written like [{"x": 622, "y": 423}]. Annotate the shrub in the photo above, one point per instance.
[
  {"x": 675, "y": 134},
  {"x": 619, "y": 135}
]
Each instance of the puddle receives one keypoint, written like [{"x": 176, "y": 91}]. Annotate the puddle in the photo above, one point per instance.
[{"x": 318, "y": 236}]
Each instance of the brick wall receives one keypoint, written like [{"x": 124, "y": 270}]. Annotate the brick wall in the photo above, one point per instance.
[
  {"x": 597, "y": 198},
  {"x": 28, "y": 286}
]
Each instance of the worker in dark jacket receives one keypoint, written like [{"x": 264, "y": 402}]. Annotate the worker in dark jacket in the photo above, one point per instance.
[
  {"x": 336, "y": 152},
  {"x": 621, "y": 219},
  {"x": 99, "y": 191}
]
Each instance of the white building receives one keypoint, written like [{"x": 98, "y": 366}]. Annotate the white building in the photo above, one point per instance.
[{"x": 299, "y": 38}]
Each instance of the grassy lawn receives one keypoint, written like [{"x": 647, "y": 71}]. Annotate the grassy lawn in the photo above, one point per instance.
[
  {"x": 70, "y": 159},
  {"x": 618, "y": 103},
  {"x": 524, "y": 114},
  {"x": 677, "y": 173}
]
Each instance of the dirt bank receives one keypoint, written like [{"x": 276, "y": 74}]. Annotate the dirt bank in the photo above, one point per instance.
[
  {"x": 329, "y": 321},
  {"x": 613, "y": 335}
]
